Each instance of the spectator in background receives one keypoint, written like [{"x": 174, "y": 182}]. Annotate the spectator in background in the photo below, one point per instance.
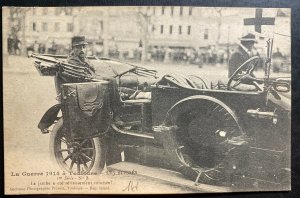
[
  {"x": 35, "y": 47},
  {"x": 18, "y": 46},
  {"x": 42, "y": 48},
  {"x": 277, "y": 54},
  {"x": 13, "y": 45},
  {"x": 214, "y": 55},
  {"x": 53, "y": 47},
  {"x": 277, "y": 61},
  {"x": 10, "y": 44}
]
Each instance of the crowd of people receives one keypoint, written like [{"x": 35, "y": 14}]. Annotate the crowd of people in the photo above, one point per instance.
[
  {"x": 183, "y": 55},
  {"x": 14, "y": 45},
  {"x": 47, "y": 48},
  {"x": 208, "y": 55}
]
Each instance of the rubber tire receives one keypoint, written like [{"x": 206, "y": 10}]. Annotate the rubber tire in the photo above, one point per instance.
[
  {"x": 175, "y": 114},
  {"x": 100, "y": 150}
]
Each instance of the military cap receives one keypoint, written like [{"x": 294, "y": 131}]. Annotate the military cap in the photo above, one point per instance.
[
  {"x": 78, "y": 40},
  {"x": 248, "y": 37}
]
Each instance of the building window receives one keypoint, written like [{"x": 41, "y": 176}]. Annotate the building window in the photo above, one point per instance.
[
  {"x": 68, "y": 11},
  {"x": 206, "y": 34},
  {"x": 179, "y": 30},
  {"x": 181, "y": 11},
  {"x": 189, "y": 30},
  {"x": 56, "y": 27},
  {"x": 101, "y": 25},
  {"x": 162, "y": 10},
  {"x": 190, "y": 10},
  {"x": 58, "y": 11},
  {"x": 34, "y": 26},
  {"x": 153, "y": 28},
  {"x": 45, "y": 11},
  {"x": 70, "y": 27},
  {"x": 172, "y": 11},
  {"x": 171, "y": 29},
  {"x": 161, "y": 29},
  {"x": 45, "y": 27}
]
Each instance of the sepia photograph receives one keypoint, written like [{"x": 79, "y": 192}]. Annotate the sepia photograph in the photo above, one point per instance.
[{"x": 146, "y": 99}]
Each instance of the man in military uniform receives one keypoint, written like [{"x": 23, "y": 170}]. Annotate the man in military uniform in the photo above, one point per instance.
[
  {"x": 76, "y": 57},
  {"x": 78, "y": 53},
  {"x": 241, "y": 54}
]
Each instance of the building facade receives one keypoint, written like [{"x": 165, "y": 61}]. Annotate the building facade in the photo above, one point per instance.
[
  {"x": 127, "y": 28},
  {"x": 50, "y": 24}
]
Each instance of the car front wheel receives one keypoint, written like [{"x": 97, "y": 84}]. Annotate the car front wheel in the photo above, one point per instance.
[{"x": 78, "y": 156}]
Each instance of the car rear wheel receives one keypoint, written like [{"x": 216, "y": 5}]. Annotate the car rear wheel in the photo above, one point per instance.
[
  {"x": 208, "y": 133},
  {"x": 78, "y": 156}
]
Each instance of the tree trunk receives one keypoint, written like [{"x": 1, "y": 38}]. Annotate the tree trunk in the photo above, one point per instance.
[
  {"x": 23, "y": 29},
  {"x": 144, "y": 50},
  {"x": 105, "y": 33},
  {"x": 219, "y": 23},
  {"x": 145, "y": 40},
  {"x": 219, "y": 32}
]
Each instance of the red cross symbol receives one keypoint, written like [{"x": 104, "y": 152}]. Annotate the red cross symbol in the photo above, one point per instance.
[{"x": 258, "y": 21}]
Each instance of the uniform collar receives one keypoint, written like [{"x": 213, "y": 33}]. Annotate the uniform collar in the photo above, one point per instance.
[{"x": 245, "y": 49}]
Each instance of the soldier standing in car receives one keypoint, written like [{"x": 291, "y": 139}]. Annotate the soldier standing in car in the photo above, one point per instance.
[{"x": 242, "y": 53}]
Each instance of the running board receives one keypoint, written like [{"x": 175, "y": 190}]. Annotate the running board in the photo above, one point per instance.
[{"x": 140, "y": 134}]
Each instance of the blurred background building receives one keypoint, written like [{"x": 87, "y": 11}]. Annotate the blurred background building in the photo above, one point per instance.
[{"x": 193, "y": 35}]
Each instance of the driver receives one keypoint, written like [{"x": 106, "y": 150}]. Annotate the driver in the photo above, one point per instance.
[{"x": 242, "y": 53}]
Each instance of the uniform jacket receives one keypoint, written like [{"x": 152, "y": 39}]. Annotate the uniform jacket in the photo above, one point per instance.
[
  {"x": 74, "y": 60},
  {"x": 236, "y": 60}
]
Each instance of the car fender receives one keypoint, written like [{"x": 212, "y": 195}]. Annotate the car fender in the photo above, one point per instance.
[
  {"x": 180, "y": 160},
  {"x": 191, "y": 103},
  {"x": 49, "y": 117}
]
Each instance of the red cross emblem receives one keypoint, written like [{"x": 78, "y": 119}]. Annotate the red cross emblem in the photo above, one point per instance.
[{"x": 259, "y": 21}]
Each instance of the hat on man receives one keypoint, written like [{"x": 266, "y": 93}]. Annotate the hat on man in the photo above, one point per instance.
[
  {"x": 249, "y": 37},
  {"x": 78, "y": 40}
]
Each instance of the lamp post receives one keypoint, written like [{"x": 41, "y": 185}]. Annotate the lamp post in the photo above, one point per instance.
[
  {"x": 105, "y": 31},
  {"x": 228, "y": 32}
]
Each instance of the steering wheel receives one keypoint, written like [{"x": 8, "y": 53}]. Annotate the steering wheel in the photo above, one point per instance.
[{"x": 244, "y": 74}]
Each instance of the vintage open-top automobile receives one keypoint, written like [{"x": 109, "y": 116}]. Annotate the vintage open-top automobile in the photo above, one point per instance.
[{"x": 234, "y": 134}]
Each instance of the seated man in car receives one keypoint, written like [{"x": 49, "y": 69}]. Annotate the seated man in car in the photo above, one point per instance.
[{"x": 76, "y": 57}]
